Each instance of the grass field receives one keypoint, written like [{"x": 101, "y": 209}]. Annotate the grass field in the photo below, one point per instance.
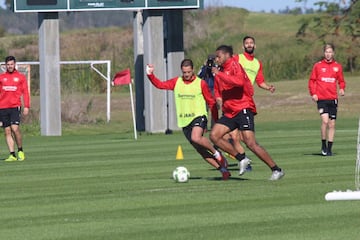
[
  {"x": 109, "y": 186},
  {"x": 97, "y": 182}
]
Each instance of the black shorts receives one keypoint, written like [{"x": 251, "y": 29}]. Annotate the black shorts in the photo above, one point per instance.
[
  {"x": 328, "y": 106},
  {"x": 197, "y": 122},
  {"x": 10, "y": 116},
  {"x": 244, "y": 120}
]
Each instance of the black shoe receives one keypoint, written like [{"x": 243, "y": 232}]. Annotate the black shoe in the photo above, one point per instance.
[
  {"x": 324, "y": 152},
  {"x": 329, "y": 154}
]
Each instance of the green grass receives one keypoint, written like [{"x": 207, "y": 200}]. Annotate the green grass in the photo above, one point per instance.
[{"x": 109, "y": 186}]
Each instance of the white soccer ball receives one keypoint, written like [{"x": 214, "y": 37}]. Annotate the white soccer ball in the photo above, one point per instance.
[{"x": 181, "y": 174}]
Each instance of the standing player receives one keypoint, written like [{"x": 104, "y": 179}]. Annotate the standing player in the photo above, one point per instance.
[
  {"x": 13, "y": 87},
  {"x": 191, "y": 95},
  {"x": 323, "y": 81},
  {"x": 238, "y": 111}
]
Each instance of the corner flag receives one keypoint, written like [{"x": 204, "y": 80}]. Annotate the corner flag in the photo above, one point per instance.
[{"x": 123, "y": 78}]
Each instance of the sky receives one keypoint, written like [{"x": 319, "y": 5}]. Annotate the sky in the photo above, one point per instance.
[
  {"x": 262, "y": 5},
  {"x": 252, "y": 5}
]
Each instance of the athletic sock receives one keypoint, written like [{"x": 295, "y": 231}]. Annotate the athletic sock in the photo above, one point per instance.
[
  {"x": 323, "y": 144},
  {"x": 13, "y": 154},
  {"x": 329, "y": 146},
  {"x": 276, "y": 168},
  {"x": 217, "y": 155},
  {"x": 20, "y": 149},
  {"x": 240, "y": 156},
  {"x": 222, "y": 169}
]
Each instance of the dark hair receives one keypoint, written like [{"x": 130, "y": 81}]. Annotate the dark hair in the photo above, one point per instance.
[
  {"x": 329, "y": 45},
  {"x": 247, "y": 37},
  {"x": 186, "y": 63},
  {"x": 225, "y": 49},
  {"x": 10, "y": 58}
]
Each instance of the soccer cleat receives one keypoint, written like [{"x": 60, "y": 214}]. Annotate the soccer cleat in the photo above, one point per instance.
[
  {"x": 225, "y": 175},
  {"x": 323, "y": 151},
  {"x": 277, "y": 175},
  {"x": 223, "y": 162},
  {"x": 249, "y": 167},
  {"x": 329, "y": 154},
  {"x": 11, "y": 158},
  {"x": 21, "y": 156},
  {"x": 243, "y": 164}
]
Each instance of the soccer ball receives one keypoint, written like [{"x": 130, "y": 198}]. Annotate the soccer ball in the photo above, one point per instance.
[{"x": 181, "y": 174}]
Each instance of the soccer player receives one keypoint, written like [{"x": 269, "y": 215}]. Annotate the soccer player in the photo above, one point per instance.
[
  {"x": 238, "y": 111},
  {"x": 323, "y": 81},
  {"x": 13, "y": 87},
  {"x": 191, "y": 96},
  {"x": 254, "y": 71}
]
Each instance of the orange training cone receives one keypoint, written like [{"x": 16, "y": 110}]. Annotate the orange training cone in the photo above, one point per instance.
[{"x": 179, "y": 154}]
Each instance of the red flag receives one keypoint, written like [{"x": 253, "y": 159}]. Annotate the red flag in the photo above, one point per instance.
[{"x": 122, "y": 78}]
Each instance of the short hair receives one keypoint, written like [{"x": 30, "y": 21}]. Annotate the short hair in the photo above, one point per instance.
[
  {"x": 187, "y": 62},
  {"x": 247, "y": 37},
  {"x": 10, "y": 58},
  {"x": 225, "y": 49},
  {"x": 329, "y": 45}
]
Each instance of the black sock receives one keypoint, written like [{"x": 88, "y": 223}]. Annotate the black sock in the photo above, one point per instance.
[
  {"x": 13, "y": 154},
  {"x": 329, "y": 146},
  {"x": 276, "y": 168},
  {"x": 20, "y": 149},
  {"x": 323, "y": 143},
  {"x": 240, "y": 156}
]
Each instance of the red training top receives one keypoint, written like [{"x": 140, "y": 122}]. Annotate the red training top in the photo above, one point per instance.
[
  {"x": 323, "y": 80},
  {"x": 12, "y": 87},
  {"x": 235, "y": 89},
  {"x": 170, "y": 85}
]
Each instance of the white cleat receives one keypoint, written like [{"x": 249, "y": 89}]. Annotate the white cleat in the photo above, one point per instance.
[
  {"x": 243, "y": 164},
  {"x": 276, "y": 175}
]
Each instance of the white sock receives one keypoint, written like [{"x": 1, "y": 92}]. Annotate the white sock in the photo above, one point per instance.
[{"x": 217, "y": 154}]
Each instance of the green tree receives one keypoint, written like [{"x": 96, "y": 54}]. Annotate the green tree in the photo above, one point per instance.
[{"x": 338, "y": 23}]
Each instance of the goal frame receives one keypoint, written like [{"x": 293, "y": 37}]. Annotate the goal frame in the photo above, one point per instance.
[{"x": 92, "y": 64}]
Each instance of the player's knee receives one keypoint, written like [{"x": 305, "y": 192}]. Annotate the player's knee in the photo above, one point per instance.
[
  {"x": 195, "y": 139},
  {"x": 331, "y": 124},
  {"x": 214, "y": 137}
]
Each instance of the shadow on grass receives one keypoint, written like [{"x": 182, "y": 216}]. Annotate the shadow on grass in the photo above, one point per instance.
[
  {"x": 230, "y": 179},
  {"x": 219, "y": 178},
  {"x": 318, "y": 154}
]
